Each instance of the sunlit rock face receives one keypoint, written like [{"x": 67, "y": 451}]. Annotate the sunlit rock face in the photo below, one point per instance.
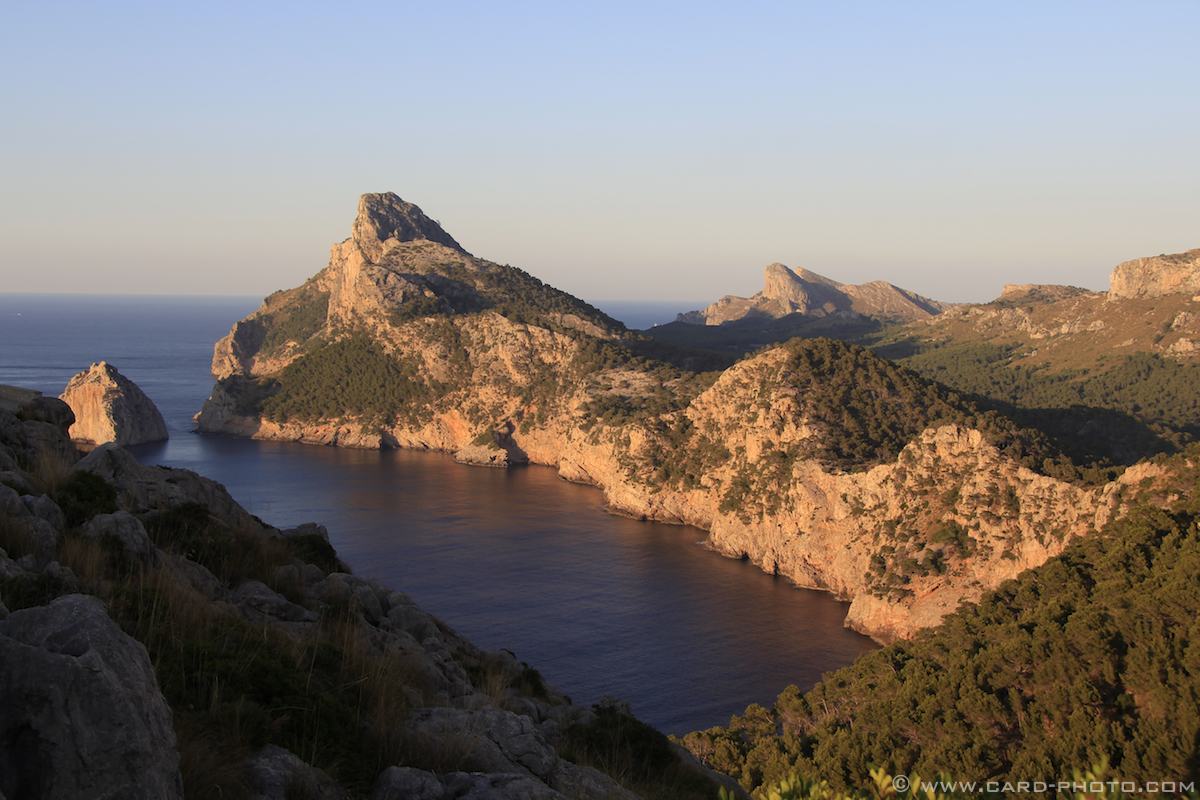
[
  {"x": 1156, "y": 276},
  {"x": 111, "y": 408}
]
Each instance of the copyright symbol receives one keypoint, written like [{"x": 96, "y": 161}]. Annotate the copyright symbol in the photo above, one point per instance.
[{"x": 900, "y": 783}]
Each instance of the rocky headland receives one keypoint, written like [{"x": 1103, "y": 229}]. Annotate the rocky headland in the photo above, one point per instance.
[
  {"x": 109, "y": 407},
  {"x": 159, "y": 640},
  {"x": 815, "y": 460}
]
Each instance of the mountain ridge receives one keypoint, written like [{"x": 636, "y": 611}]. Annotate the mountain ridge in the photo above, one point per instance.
[{"x": 801, "y": 291}]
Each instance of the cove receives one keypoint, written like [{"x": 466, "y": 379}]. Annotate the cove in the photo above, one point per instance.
[{"x": 520, "y": 559}]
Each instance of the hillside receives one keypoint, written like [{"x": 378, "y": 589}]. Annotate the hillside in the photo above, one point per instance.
[
  {"x": 1112, "y": 375},
  {"x": 816, "y": 460},
  {"x": 1109, "y": 375},
  {"x": 1085, "y": 660},
  {"x": 158, "y": 641}
]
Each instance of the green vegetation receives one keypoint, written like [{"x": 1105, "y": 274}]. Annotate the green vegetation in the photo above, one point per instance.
[
  {"x": 83, "y": 496},
  {"x": 634, "y": 753},
  {"x": 864, "y": 409},
  {"x": 463, "y": 287},
  {"x": 301, "y": 318},
  {"x": 352, "y": 377},
  {"x": 1091, "y": 657},
  {"x": 1097, "y": 783},
  {"x": 752, "y": 333},
  {"x": 1138, "y": 406}
]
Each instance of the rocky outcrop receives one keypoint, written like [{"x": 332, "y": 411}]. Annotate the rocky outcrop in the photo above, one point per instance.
[
  {"x": 109, "y": 407},
  {"x": 80, "y": 710},
  {"x": 82, "y": 715},
  {"x": 1156, "y": 276},
  {"x": 801, "y": 291},
  {"x": 142, "y": 489}
]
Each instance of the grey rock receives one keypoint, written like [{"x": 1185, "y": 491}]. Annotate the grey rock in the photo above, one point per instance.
[
  {"x": 307, "y": 529},
  {"x": 40, "y": 538},
  {"x": 50, "y": 410},
  {"x": 341, "y": 587},
  {"x": 126, "y": 529},
  {"x": 47, "y": 448},
  {"x": 279, "y": 774},
  {"x": 142, "y": 489},
  {"x": 194, "y": 576},
  {"x": 488, "y": 740},
  {"x": 405, "y": 783},
  {"x": 46, "y": 509},
  {"x": 81, "y": 710},
  {"x": 15, "y": 479},
  {"x": 260, "y": 604},
  {"x": 586, "y": 783},
  {"x": 11, "y": 504}
]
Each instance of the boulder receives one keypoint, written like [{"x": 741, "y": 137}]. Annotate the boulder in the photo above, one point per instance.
[
  {"x": 279, "y": 774},
  {"x": 81, "y": 714},
  {"x": 128, "y": 531},
  {"x": 406, "y": 783},
  {"x": 109, "y": 407}
]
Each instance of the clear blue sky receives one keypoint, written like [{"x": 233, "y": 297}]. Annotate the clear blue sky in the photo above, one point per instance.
[{"x": 617, "y": 150}]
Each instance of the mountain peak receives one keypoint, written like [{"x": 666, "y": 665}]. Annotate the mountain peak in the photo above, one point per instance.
[
  {"x": 803, "y": 291},
  {"x": 384, "y": 218}
]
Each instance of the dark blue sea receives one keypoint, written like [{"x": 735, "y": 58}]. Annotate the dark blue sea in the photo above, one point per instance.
[{"x": 511, "y": 558}]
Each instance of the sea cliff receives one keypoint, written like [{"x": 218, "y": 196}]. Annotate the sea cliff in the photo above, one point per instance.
[{"x": 815, "y": 460}]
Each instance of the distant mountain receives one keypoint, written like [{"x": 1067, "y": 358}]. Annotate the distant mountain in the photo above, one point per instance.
[{"x": 804, "y": 292}]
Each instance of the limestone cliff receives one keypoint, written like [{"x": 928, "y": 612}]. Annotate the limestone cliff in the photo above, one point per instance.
[
  {"x": 801, "y": 291},
  {"x": 816, "y": 460},
  {"x": 111, "y": 408},
  {"x": 1157, "y": 276}
]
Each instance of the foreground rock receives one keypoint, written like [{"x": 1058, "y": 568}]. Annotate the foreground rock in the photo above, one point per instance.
[
  {"x": 111, "y": 408},
  {"x": 81, "y": 715}
]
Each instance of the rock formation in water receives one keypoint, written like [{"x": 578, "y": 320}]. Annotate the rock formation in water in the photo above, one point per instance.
[
  {"x": 800, "y": 291},
  {"x": 816, "y": 461},
  {"x": 81, "y": 711},
  {"x": 109, "y": 407}
]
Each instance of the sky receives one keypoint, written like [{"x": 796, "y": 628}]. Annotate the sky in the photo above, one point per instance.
[{"x": 619, "y": 150}]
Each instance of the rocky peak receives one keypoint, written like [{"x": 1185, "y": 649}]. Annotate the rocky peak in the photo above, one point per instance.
[
  {"x": 384, "y": 220},
  {"x": 1156, "y": 276},
  {"x": 803, "y": 291}
]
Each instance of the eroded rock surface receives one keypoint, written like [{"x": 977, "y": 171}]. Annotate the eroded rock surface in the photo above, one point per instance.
[
  {"x": 82, "y": 715},
  {"x": 109, "y": 407}
]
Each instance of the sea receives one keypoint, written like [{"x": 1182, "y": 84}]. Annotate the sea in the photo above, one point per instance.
[{"x": 516, "y": 558}]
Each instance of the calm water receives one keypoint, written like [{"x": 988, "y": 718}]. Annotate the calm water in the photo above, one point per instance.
[{"x": 511, "y": 558}]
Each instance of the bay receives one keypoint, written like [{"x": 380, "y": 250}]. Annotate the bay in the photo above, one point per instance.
[{"x": 515, "y": 559}]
